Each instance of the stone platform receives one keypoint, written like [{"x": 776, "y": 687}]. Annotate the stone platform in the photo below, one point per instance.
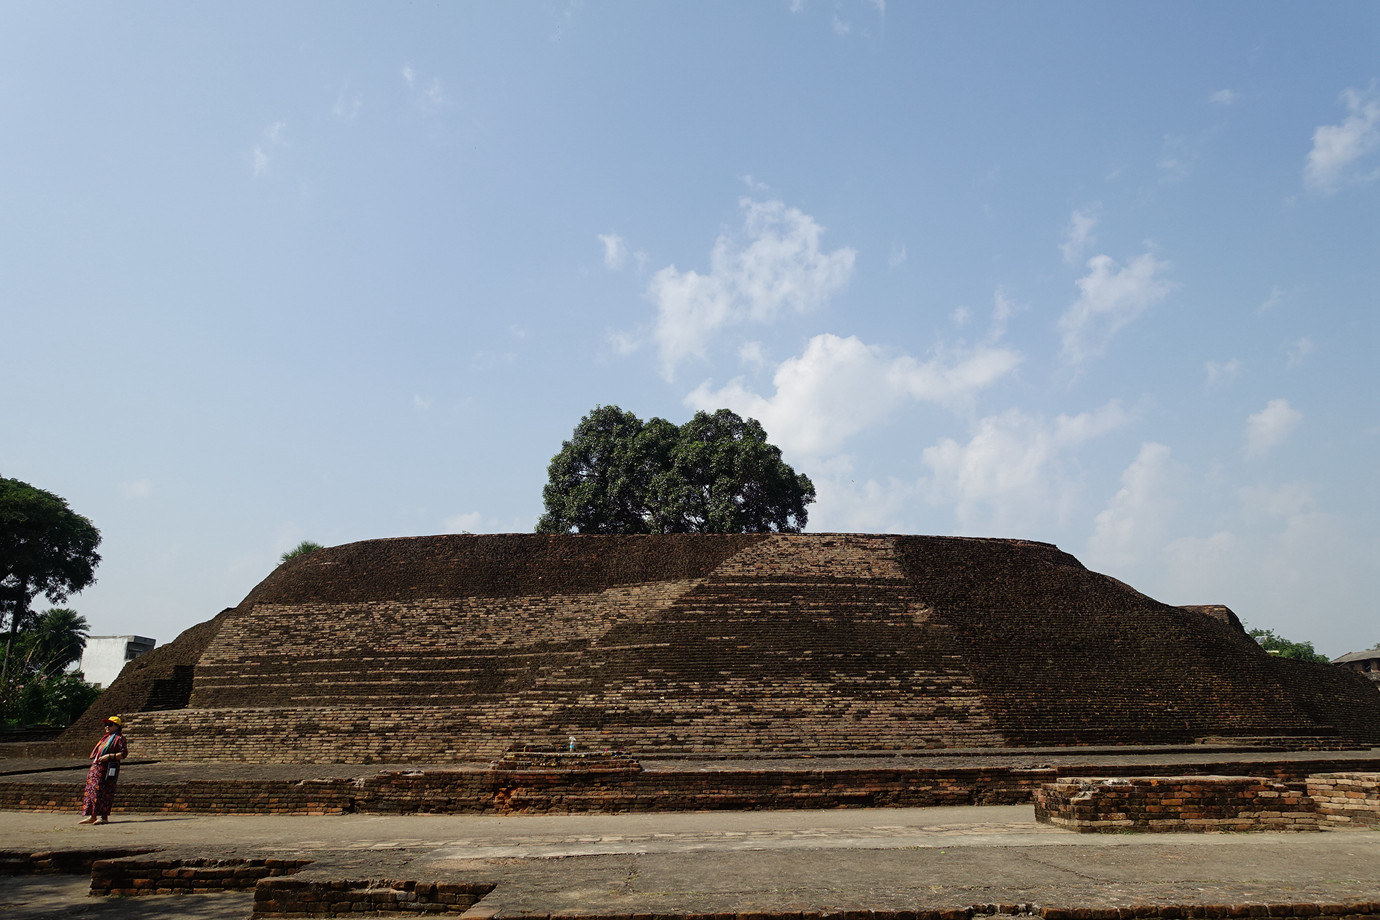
[{"x": 848, "y": 864}]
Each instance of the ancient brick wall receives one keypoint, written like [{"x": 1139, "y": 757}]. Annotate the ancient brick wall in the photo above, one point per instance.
[
  {"x": 451, "y": 649},
  {"x": 1347, "y": 798},
  {"x": 1176, "y": 804}
]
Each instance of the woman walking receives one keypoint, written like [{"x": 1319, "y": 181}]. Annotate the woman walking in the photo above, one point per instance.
[{"x": 105, "y": 769}]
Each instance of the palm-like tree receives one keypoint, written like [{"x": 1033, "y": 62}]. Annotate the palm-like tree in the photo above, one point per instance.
[{"x": 54, "y": 641}]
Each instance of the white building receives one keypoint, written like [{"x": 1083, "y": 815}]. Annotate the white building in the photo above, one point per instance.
[{"x": 105, "y": 656}]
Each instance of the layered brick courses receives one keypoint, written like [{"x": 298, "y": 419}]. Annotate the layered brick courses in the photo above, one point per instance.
[
  {"x": 343, "y": 897},
  {"x": 1176, "y": 804},
  {"x": 614, "y": 786},
  {"x": 1347, "y": 798},
  {"x": 447, "y": 650},
  {"x": 143, "y": 876}
]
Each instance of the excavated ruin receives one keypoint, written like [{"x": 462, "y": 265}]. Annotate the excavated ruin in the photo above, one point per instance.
[{"x": 458, "y": 648}]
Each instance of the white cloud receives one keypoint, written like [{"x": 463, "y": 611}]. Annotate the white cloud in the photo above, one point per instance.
[
  {"x": 420, "y": 403},
  {"x": 1220, "y": 373},
  {"x": 1014, "y": 476},
  {"x": 1270, "y": 427},
  {"x": 1299, "y": 352},
  {"x": 897, "y": 255},
  {"x": 140, "y": 488},
  {"x": 1177, "y": 157},
  {"x": 1225, "y": 97},
  {"x": 615, "y": 250},
  {"x": 775, "y": 263},
  {"x": 275, "y": 135},
  {"x": 1283, "y": 501},
  {"x": 752, "y": 354},
  {"x": 1078, "y": 235},
  {"x": 840, "y": 386},
  {"x": 346, "y": 106},
  {"x": 1275, "y": 299},
  {"x": 1135, "y": 521},
  {"x": 1195, "y": 567},
  {"x": 961, "y": 316},
  {"x": 1003, "y": 308},
  {"x": 1338, "y": 148},
  {"x": 428, "y": 96},
  {"x": 623, "y": 343},
  {"x": 1110, "y": 297},
  {"x": 471, "y": 522}
]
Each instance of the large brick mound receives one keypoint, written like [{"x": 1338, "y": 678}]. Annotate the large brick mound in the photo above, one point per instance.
[{"x": 457, "y": 648}]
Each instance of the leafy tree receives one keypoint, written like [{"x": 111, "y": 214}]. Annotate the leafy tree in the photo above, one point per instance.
[
  {"x": 301, "y": 549},
  {"x": 55, "y": 701},
  {"x": 1285, "y": 648},
  {"x": 45, "y": 548},
  {"x": 715, "y": 474},
  {"x": 37, "y": 690}
]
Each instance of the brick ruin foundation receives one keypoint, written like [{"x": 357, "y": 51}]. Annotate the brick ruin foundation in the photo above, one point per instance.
[
  {"x": 1200, "y": 804},
  {"x": 455, "y": 649}
]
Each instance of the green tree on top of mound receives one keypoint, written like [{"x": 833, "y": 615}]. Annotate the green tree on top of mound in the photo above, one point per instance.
[
  {"x": 715, "y": 474},
  {"x": 1285, "y": 648}
]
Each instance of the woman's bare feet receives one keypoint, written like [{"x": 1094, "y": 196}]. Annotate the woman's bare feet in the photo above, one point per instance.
[{"x": 90, "y": 819}]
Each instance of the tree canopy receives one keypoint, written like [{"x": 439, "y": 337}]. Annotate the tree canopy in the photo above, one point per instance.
[
  {"x": 715, "y": 474},
  {"x": 1285, "y": 648},
  {"x": 45, "y": 548}
]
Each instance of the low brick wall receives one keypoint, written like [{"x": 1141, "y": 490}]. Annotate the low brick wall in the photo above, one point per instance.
[
  {"x": 295, "y": 897},
  {"x": 61, "y": 862},
  {"x": 150, "y": 875},
  {"x": 1176, "y": 803},
  {"x": 608, "y": 789},
  {"x": 1347, "y": 798},
  {"x": 233, "y": 797}
]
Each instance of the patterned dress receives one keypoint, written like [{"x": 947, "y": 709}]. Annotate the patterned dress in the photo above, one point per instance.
[{"x": 100, "y": 789}]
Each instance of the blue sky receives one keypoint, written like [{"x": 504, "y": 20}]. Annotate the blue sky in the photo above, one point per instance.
[{"x": 1103, "y": 275}]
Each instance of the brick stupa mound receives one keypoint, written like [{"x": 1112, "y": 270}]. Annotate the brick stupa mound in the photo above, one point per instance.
[{"x": 458, "y": 648}]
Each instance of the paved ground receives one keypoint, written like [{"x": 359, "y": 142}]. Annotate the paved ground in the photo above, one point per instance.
[{"x": 725, "y": 862}]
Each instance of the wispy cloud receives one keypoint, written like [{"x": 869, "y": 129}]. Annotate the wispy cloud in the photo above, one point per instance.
[
  {"x": 615, "y": 250},
  {"x": 469, "y": 522},
  {"x": 1110, "y": 297},
  {"x": 1339, "y": 149},
  {"x": 1014, "y": 474},
  {"x": 428, "y": 96},
  {"x": 140, "y": 488},
  {"x": 1224, "y": 97},
  {"x": 1078, "y": 235},
  {"x": 347, "y": 105},
  {"x": 1220, "y": 373},
  {"x": 1299, "y": 352},
  {"x": 839, "y": 387},
  {"x": 1270, "y": 427},
  {"x": 773, "y": 264},
  {"x": 1136, "y": 521},
  {"x": 1177, "y": 157},
  {"x": 274, "y": 137},
  {"x": 1269, "y": 303}
]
